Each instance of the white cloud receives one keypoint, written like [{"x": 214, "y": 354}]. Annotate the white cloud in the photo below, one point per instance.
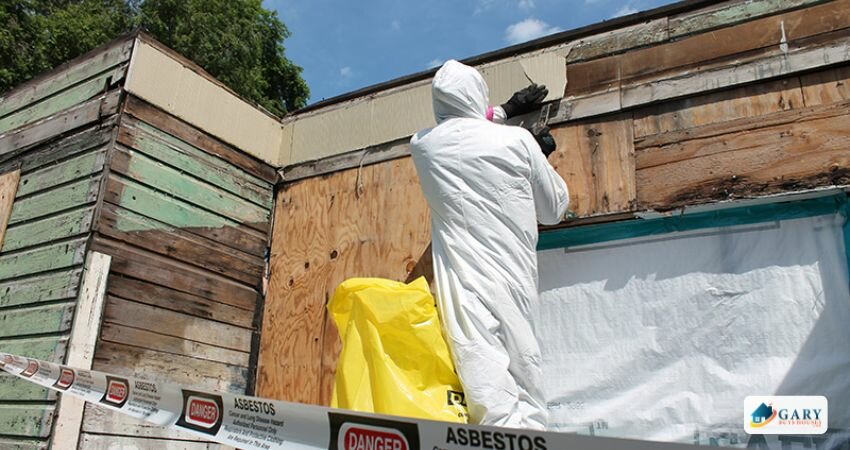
[
  {"x": 396, "y": 25},
  {"x": 526, "y": 4},
  {"x": 436, "y": 62},
  {"x": 527, "y": 30},
  {"x": 624, "y": 10},
  {"x": 483, "y": 5},
  {"x": 345, "y": 72}
]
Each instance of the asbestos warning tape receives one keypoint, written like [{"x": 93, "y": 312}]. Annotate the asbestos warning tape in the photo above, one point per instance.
[{"x": 256, "y": 423}]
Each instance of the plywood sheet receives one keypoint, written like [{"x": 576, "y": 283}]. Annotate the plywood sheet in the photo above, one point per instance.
[
  {"x": 359, "y": 222},
  {"x": 162, "y": 80}
]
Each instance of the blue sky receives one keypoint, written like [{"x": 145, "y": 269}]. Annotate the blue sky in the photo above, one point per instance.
[{"x": 345, "y": 45}]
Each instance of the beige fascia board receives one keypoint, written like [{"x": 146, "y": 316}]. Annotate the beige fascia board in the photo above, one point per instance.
[
  {"x": 181, "y": 89},
  {"x": 402, "y": 111}
]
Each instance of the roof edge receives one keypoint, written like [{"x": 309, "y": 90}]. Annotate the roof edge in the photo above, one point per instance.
[{"x": 526, "y": 47}]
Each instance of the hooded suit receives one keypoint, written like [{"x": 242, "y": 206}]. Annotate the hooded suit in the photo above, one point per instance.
[{"x": 487, "y": 186}]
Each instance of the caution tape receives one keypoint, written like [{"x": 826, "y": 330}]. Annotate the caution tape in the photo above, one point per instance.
[{"x": 256, "y": 423}]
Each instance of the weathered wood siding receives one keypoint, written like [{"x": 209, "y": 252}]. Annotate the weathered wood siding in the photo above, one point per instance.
[
  {"x": 186, "y": 220},
  {"x": 54, "y": 132}
]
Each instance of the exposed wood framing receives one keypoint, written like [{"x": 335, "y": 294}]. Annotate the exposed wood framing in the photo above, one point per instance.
[{"x": 69, "y": 413}]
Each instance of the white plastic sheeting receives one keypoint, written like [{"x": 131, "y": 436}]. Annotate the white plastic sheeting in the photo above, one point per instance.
[{"x": 661, "y": 338}]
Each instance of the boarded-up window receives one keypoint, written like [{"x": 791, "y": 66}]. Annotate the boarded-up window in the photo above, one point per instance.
[{"x": 8, "y": 188}]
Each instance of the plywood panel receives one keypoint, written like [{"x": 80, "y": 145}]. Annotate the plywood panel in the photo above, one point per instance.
[
  {"x": 8, "y": 189},
  {"x": 596, "y": 159},
  {"x": 368, "y": 222},
  {"x": 748, "y": 101},
  {"x": 804, "y": 152}
]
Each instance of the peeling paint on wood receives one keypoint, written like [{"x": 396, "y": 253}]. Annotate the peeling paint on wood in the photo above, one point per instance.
[
  {"x": 726, "y": 14},
  {"x": 54, "y": 318},
  {"x": 65, "y": 225},
  {"x": 48, "y": 349},
  {"x": 42, "y": 259},
  {"x": 175, "y": 212},
  {"x": 141, "y": 168},
  {"x": 186, "y": 157},
  {"x": 42, "y": 288},
  {"x": 64, "y": 100},
  {"x": 619, "y": 40},
  {"x": 91, "y": 112},
  {"x": 62, "y": 172},
  {"x": 179, "y": 244},
  {"x": 25, "y": 420},
  {"x": 64, "y": 197},
  {"x": 69, "y": 74}
]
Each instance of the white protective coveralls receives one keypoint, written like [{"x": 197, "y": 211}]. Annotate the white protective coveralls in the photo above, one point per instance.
[{"x": 487, "y": 186}]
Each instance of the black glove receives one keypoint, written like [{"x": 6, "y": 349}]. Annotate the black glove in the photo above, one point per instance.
[
  {"x": 525, "y": 100},
  {"x": 545, "y": 140}
]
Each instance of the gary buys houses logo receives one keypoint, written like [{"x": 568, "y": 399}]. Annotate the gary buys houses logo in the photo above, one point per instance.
[
  {"x": 786, "y": 415},
  {"x": 349, "y": 432}
]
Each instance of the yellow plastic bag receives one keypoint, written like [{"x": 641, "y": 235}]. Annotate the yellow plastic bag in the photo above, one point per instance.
[{"x": 394, "y": 359}]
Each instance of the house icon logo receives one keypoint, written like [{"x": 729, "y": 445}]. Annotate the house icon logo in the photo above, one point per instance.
[{"x": 762, "y": 416}]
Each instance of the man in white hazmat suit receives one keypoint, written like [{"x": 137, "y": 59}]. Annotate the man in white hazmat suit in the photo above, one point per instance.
[{"x": 487, "y": 186}]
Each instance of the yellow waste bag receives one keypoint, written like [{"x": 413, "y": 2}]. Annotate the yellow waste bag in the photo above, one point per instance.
[{"x": 394, "y": 359}]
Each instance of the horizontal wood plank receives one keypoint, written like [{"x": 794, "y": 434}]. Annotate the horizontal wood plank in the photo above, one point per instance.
[
  {"x": 130, "y": 361},
  {"x": 147, "y": 202},
  {"x": 147, "y": 266},
  {"x": 40, "y": 288},
  {"x": 99, "y": 420},
  {"x": 78, "y": 193},
  {"x": 91, "y": 112},
  {"x": 112, "y": 442},
  {"x": 137, "y": 166},
  {"x": 827, "y": 86},
  {"x": 174, "y": 324},
  {"x": 53, "y": 318},
  {"x": 200, "y": 164},
  {"x": 66, "y": 75},
  {"x": 62, "y": 172},
  {"x": 61, "y": 226},
  {"x": 169, "y": 299},
  {"x": 748, "y": 101},
  {"x": 26, "y": 420},
  {"x": 70, "y": 97},
  {"x": 793, "y": 156},
  {"x": 729, "y": 13},
  {"x": 127, "y": 226},
  {"x": 22, "y": 444},
  {"x": 187, "y": 133},
  {"x": 48, "y": 154},
  {"x": 619, "y": 40},
  {"x": 51, "y": 257},
  {"x": 152, "y": 339},
  {"x": 13, "y": 388}
]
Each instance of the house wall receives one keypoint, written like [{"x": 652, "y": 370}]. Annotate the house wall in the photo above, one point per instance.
[
  {"x": 735, "y": 100},
  {"x": 54, "y": 133},
  {"x": 185, "y": 218}
]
